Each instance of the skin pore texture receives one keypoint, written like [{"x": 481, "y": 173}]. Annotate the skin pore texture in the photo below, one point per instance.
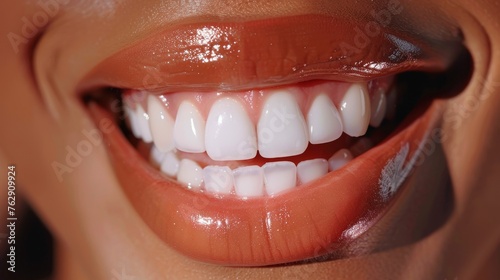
[{"x": 97, "y": 230}]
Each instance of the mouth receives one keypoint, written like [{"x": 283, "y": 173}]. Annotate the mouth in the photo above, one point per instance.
[
  {"x": 259, "y": 142},
  {"x": 244, "y": 155}
]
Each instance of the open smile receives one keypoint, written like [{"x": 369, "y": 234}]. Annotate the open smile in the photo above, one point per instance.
[{"x": 267, "y": 142}]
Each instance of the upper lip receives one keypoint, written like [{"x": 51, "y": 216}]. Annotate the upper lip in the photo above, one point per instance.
[
  {"x": 271, "y": 230},
  {"x": 243, "y": 55}
]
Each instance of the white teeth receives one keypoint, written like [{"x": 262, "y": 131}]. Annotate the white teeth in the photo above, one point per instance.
[
  {"x": 355, "y": 110},
  {"x": 189, "y": 129},
  {"x": 249, "y": 181},
  {"x": 323, "y": 121},
  {"x": 161, "y": 124},
  {"x": 339, "y": 159},
  {"x": 310, "y": 170},
  {"x": 170, "y": 164},
  {"x": 143, "y": 122},
  {"x": 132, "y": 117},
  {"x": 282, "y": 130},
  {"x": 378, "y": 108},
  {"x": 229, "y": 133},
  {"x": 156, "y": 156},
  {"x": 218, "y": 179},
  {"x": 190, "y": 174},
  {"x": 279, "y": 176}
]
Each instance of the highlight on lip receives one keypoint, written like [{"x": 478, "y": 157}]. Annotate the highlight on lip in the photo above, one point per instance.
[
  {"x": 266, "y": 162},
  {"x": 256, "y": 54},
  {"x": 292, "y": 226}
]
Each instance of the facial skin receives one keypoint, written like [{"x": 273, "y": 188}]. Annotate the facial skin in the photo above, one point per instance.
[{"x": 99, "y": 233}]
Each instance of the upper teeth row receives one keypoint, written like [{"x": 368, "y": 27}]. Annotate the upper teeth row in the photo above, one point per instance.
[{"x": 228, "y": 133}]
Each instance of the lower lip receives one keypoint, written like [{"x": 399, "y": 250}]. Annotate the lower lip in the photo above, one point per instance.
[{"x": 294, "y": 226}]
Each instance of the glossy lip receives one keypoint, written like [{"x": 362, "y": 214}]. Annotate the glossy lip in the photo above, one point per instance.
[
  {"x": 294, "y": 226},
  {"x": 297, "y": 225},
  {"x": 247, "y": 55}
]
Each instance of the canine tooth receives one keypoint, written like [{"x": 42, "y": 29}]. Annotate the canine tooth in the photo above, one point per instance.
[
  {"x": 132, "y": 117},
  {"x": 378, "y": 108},
  {"x": 161, "y": 124},
  {"x": 189, "y": 129},
  {"x": 156, "y": 156},
  {"x": 355, "y": 110},
  {"x": 190, "y": 174},
  {"x": 170, "y": 164},
  {"x": 339, "y": 159},
  {"x": 218, "y": 179},
  {"x": 281, "y": 130},
  {"x": 143, "y": 122},
  {"x": 324, "y": 121},
  {"x": 229, "y": 132},
  {"x": 249, "y": 181},
  {"x": 279, "y": 176},
  {"x": 313, "y": 169}
]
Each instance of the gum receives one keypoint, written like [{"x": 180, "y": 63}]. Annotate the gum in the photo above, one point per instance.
[{"x": 252, "y": 101}]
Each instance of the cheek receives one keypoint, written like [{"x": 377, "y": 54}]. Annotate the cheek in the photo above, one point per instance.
[{"x": 469, "y": 131}]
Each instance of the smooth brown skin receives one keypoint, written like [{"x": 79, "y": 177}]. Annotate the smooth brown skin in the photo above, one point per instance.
[{"x": 97, "y": 231}]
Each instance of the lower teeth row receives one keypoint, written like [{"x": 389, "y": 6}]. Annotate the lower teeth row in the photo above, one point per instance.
[{"x": 248, "y": 181}]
